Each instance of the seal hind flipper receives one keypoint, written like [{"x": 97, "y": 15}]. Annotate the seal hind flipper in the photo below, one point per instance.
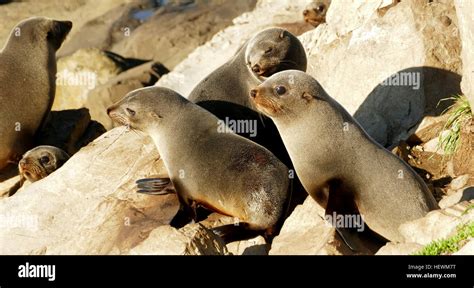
[
  {"x": 230, "y": 233},
  {"x": 154, "y": 186}
]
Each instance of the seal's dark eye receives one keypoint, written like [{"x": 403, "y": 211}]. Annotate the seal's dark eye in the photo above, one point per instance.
[
  {"x": 130, "y": 112},
  {"x": 280, "y": 90},
  {"x": 270, "y": 49},
  {"x": 44, "y": 160},
  {"x": 320, "y": 8}
]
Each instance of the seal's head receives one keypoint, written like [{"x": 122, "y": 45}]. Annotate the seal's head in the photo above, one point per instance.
[
  {"x": 146, "y": 109},
  {"x": 41, "y": 161},
  {"x": 315, "y": 12},
  {"x": 37, "y": 31},
  {"x": 287, "y": 93},
  {"x": 274, "y": 50}
]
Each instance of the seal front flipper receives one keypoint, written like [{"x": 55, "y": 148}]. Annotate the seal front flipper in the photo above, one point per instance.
[{"x": 154, "y": 186}]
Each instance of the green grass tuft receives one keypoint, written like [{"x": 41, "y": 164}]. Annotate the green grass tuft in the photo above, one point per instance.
[
  {"x": 449, "y": 245},
  {"x": 459, "y": 113}
]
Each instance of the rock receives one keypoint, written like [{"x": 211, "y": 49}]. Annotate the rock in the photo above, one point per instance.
[
  {"x": 175, "y": 31},
  {"x": 376, "y": 46},
  {"x": 107, "y": 29},
  {"x": 466, "y": 194},
  {"x": 459, "y": 182},
  {"x": 99, "y": 99},
  {"x": 223, "y": 46},
  {"x": 464, "y": 11},
  {"x": 193, "y": 239},
  {"x": 255, "y": 246},
  {"x": 80, "y": 73},
  {"x": 306, "y": 233},
  {"x": 89, "y": 205},
  {"x": 437, "y": 224},
  {"x": 467, "y": 249},
  {"x": 399, "y": 249},
  {"x": 428, "y": 129}
]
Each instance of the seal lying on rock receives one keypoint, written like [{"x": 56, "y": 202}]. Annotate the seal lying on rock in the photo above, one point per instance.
[
  {"x": 340, "y": 166},
  {"x": 208, "y": 167},
  {"x": 27, "y": 78}
]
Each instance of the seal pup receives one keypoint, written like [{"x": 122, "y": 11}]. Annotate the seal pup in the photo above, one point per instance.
[
  {"x": 223, "y": 172},
  {"x": 340, "y": 166},
  {"x": 38, "y": 163},
  {"x": 27, "y": 78},
  {"x": 315, "y": 12},
  {"x": 269, "y": 51}
]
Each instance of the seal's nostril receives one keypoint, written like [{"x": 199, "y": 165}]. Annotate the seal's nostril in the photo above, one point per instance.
[
  {"x": 253, "y": 93},
  {"x": 256, "y": 68},
  {"x": 305, "y": 12},
  {"x": 109, "y": 110}
]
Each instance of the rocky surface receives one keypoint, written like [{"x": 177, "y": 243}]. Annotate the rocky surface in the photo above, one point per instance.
[
  {"x": 464, "y": 10},
  {"x": 89, "y": 206}
]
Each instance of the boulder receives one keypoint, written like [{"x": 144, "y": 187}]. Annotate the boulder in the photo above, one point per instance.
[
  {"x": 464, "y": 11},
  {"x": 192, "y": 239},
  {"x": 386, "y": 90},
  {"x": 255, "y": 246},
  {"x": 306, "y": 233},
  {"x": 107, "y": 29},
  {"x": 464, "y": 194},
  {"x": 89, "y": 205},
  {"x": 437, "y": 224},
  {"x": 176, "y": 30},
  {"x": 80, "y": 73},
  {"x": 399, "y": 249}
]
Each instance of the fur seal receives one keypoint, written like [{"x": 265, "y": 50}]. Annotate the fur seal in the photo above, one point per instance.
[
  {"x": 270, "y": 51},
  {"x": 41, "y": 161},
  {"x": 27, "y": 78},
  {"x": 218, "y": 170},
  {"x": 340, "y": 166},
  {"x": 315, "y": 12}
]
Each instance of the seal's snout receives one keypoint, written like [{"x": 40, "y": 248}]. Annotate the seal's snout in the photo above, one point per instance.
[
  {"x": 22, "y": 164},
  {"x": 305, "y": 12}
]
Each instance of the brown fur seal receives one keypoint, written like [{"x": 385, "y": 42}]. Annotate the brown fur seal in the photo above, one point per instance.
[
  {"x": 41, "y": 161},
  {"x": 340, "y": 166},
  {"x": 219, "y": 170},
  {"x": 270, "y": 51},
  {"x": 315, "y": 12},
  {"x": 27, "y": 80}
]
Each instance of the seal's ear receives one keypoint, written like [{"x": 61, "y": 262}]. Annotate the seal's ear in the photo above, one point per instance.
[
  {"x": 282, "y": 34},
  {"x": 308, "y": 97},
  {"x": 154, "y": 115}
]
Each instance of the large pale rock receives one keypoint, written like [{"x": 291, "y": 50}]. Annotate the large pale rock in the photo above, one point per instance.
[
  {"x": 465, "y": 12},
  {"x": 306, "y": 233},
  {"x": 255, "y": 246},
  {"x": 176, "y": 30},
  {"x": 353, "y": 56},
  {"x": 437, "y": 224},
  {"x": 206, "y": 58},
  {"x": 89, "y": 205},
  {"x": 192, "y": 239},
  {"x": 465, "y": 194},
  {"x": 399, "y": 249},
  {"x": 79, "y": 74}
]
